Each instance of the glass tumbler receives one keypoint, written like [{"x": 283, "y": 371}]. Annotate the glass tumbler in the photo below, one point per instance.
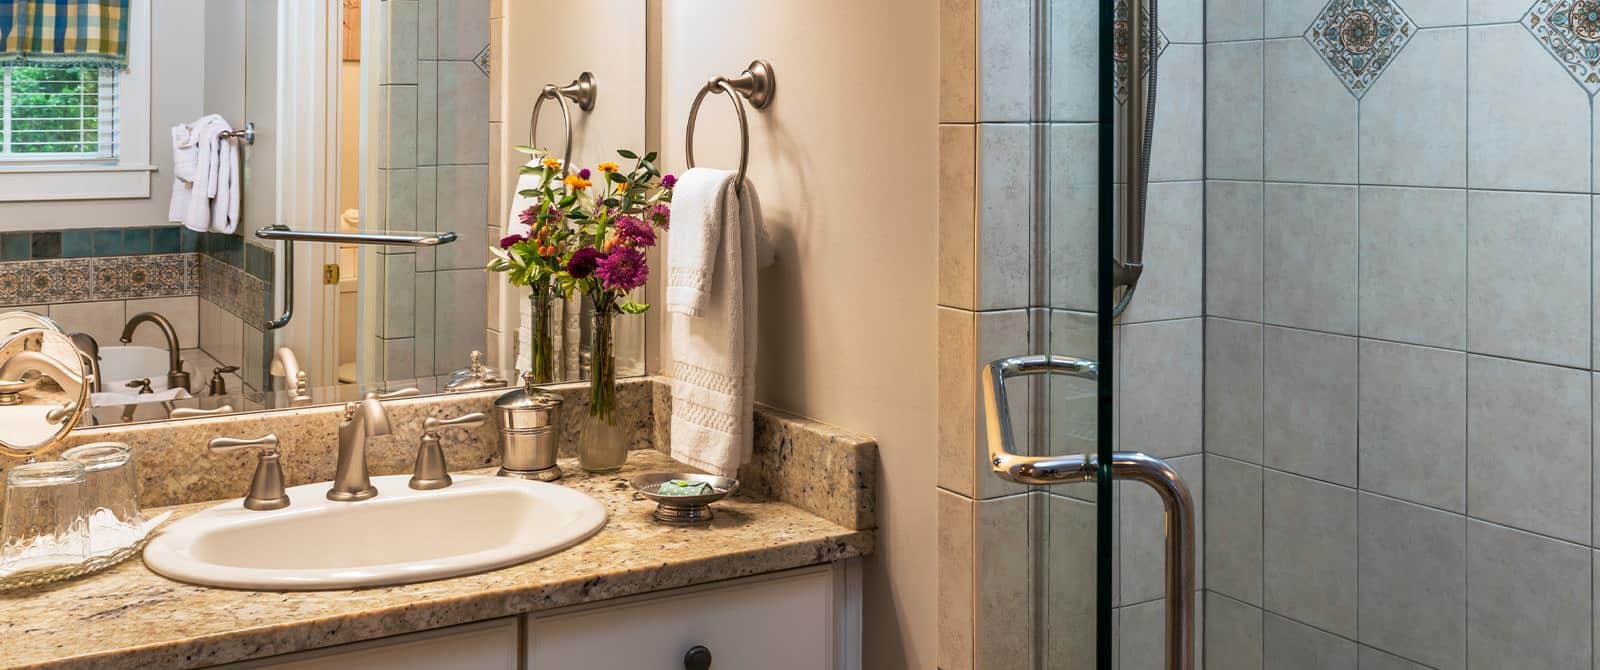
[
  {"x": 112, "y": 494},
  {"x": 46, "y": 513}
]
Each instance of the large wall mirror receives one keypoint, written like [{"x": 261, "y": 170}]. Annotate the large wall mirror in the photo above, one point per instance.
[{"x": 344, "y": 124}]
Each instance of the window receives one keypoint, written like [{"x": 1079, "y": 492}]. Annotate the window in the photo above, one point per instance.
[{"x": 58, "y": 114}]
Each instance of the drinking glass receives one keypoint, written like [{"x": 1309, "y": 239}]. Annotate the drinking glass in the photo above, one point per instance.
[
  {"x": 46, "y": 514},
  {"x": 113, "y": 494}
]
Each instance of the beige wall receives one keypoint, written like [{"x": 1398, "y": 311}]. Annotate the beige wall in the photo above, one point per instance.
[
  {"x": 175, "y": 97},
  {"x": 845, "y": 160}
]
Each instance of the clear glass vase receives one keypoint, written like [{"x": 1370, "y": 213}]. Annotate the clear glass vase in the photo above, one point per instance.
[
  {"x": 602, "y": 447},
  {"x": 541, "y": 347}
]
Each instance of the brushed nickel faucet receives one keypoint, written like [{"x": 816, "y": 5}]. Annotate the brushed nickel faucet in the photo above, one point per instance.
[
  {"x": 284, "y": 364},
  {"x": 176, "y": 376},
  {"x": 362, "y": 420}
]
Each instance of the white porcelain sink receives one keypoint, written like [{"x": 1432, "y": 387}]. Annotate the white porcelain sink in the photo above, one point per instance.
[
  {"x": 119, "y": 365},
  {"x": 399, "y": 537}
]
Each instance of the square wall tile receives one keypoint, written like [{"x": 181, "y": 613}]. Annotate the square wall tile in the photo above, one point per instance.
[
  {"x": 957, "y": 215},
  {"x": 1161, "y": 383},
  {"x": 463, "y": 113},
  {"x": 1529, "y": 257},
  {"x": 1289, "y": 18},
  {"x": 1414, "y": 423},
  {"x": 1513, "y": 87},
  {"x": 1233, "y": 382},
  {"x": 401, "y": 33},
  {"x": 1235, "y": 262},
  {"x": 399, "y": 285},
  {"x": 1140, "y": 632},
  {"x": 1402, "y": 147},
  {"x": 1069, "y": 606},
  {"x": 1006, "y": 59},
  {"x": 1311, "y": 250},
  {"x": 1174, "y": 254},
  {"x": 1232, "y": 634},
  {"x": 1528, "y": 600},
  {"x": 183, "y": 312},
  {"x": 102, "y": 320},
  {"x": 1233, "y": 529},
  {"x": 958, "y": 61},
  {"x": 1072, "y": 206},
  {"x": 957, "y": 573},
  {"x": 1178, "y": 146},
  {"x": 1311, "y": 400},
  {"x": 1310, "y": 116},
  {"x": 1414, "y": 265},
  {"x": 1309, "y": 552},
  {"x": 428, "y": 113},
  {"x": 401, "y": 117},
  {"x": 1072, "y": 77},
  {"x": 461, "y": 317},
  {"x": 1528, "y": 446},
  {"x": 463, "y": 28},
  {"x": 1234, "y": 106},
  {"x": 1005, "y": 215},
  {"x": 986, "y": 581},
  {"x": 1073, "y": 403},
  {"x": 1413, "y": 585},
  {"x": 1230, "y": 20},
  {"x": 1373, "y": 659},
  {"x": 400, "y": 207},
  {"x": 463, "y": 210}
]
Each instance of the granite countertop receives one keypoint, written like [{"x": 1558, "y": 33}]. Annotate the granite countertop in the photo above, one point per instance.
[{"x": 129, "y": 617}]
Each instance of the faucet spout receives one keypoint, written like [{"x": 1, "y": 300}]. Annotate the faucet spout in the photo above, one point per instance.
[
  {"x": 176, "y": 376},
  {"x": 362, "y": 420}
]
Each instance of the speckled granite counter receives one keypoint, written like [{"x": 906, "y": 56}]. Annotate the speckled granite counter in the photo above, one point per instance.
[{"x": 130, "y": 617}]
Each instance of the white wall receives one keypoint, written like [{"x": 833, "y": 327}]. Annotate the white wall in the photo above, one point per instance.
[
  {"x": 845, "y": 162},
  {"x": 175, "y": 97}
]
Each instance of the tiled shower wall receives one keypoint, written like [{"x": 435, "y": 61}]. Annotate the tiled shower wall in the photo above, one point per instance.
[
  {"x": 1400, "y": 361},
  {"x": 1018, "y": 257},
  {"x": 434, "y": 176}
]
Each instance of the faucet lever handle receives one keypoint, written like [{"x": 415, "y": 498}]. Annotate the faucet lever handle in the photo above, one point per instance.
[
  {"x": 266, "y": 487},
  {"x": 401, "y": 393},
  {"x": 473, "y": 420},
  {"x": 191, "y": 412}
]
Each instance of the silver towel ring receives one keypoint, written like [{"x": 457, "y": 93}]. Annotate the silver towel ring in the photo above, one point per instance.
[
  {"x": 581, "y": 91},
  {"x": 756, "y": 84}
]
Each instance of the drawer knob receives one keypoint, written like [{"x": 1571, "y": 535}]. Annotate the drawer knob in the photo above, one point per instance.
[{"x": 697, "y": 658}]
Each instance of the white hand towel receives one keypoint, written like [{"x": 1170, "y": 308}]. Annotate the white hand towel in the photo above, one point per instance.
[
  {"x": 184, "y": 155},
  {"x": 515, "y": 226},
  {"x": 206, "y": 138},
  {"x": 225, "y": 190},
  {"x": 717, "y": 242}
]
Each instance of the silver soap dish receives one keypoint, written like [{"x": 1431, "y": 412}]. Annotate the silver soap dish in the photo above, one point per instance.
[{"x": 683, "y": 510}]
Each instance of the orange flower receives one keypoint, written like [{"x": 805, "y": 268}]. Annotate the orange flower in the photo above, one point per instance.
[
  {"x": 576, "y": 183},
  {"x": 551, "y": 163},
  {"x": 608, "y": 166}
]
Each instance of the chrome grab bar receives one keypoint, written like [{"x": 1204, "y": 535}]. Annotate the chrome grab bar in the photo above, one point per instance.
[
  {"x": 381, "y": 239},
  {"x": 1149, "y": 470}
]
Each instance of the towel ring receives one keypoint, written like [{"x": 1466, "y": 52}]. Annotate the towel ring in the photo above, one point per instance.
[
  {"x": 757, "y": 85},
  {"x": 581, "y": 91}
]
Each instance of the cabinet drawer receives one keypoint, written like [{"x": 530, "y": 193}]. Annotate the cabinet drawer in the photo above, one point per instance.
[
  {"x": 785, "y": 622},
  {"x": 487, "y": 645}
]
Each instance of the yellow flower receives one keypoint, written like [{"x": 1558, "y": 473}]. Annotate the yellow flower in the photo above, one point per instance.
[
  {"x": 551, "y": 163},
  {"x": 608, "y": 166},
  {"x": 575, "y": 182}
]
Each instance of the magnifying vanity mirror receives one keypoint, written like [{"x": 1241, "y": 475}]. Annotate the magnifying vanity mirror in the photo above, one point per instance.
[
  {"x": 365, "y": 177},
  {"x": 43, "y": 388}
]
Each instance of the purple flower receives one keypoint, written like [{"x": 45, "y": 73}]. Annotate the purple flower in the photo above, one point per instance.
[
  {"x": 529, "y": 216},
  {"x": 509, "y": 240},
  {"x": 661, "y": 215},
  {"x": 669, "y": 181},
  {"x": 624, "y": 269},
  {"x": 634, "y": 232},
  {"x": 583, "y": 262},
  {"x": 584, "y": 173}
]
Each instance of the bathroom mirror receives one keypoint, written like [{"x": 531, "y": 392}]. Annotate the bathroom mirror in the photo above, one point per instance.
[
  {"x": 356, "y": 119},
  {"x": 43, "y": 390}
]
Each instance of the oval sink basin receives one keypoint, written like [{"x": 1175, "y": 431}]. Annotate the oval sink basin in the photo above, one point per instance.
[{"x": 399, "y": 537}]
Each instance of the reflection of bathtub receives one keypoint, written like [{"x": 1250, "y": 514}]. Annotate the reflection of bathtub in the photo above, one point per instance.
[{"x": 120, "y": 365}]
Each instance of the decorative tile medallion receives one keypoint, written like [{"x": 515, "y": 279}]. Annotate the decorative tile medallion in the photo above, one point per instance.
[
  {"x": 1570, "y": 32},
  {"x": 1359, "y": 38},
  {"x": 1119, "y": 47},
  {"x": 482, "y": 60}
]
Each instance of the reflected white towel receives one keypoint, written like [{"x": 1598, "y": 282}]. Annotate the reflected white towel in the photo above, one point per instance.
[
  {"x": 717, "y": 242},
  {"x": 224, "y": 187},
  {"x": 205, "y": 136},
  {"x": 514, "y": 226},
  {"x": 184, "y": 155}
]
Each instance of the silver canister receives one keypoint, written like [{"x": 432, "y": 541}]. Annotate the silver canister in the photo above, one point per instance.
[{"x": 528, "y": 434}]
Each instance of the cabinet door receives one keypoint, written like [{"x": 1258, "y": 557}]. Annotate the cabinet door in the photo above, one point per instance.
[
  {"x": 785, "y": 622},
  {"x": 488, "y": 645}
]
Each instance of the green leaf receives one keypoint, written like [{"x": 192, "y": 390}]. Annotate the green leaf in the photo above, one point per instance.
[
  {"x": 523, "y": 148},
  {"x": 631, "y": 307},
  {"x": 626, "y": 154},
  {"x": 650, "y": 157}
]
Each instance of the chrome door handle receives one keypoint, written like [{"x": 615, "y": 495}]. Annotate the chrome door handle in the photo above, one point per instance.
[{"x": 1149, "y": 470}]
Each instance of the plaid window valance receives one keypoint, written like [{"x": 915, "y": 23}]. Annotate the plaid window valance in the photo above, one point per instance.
[{"x": 64, "y": 32}]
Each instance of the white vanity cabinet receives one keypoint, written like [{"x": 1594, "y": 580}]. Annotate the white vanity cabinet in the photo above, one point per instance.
[{"x": 803, "y": 619}]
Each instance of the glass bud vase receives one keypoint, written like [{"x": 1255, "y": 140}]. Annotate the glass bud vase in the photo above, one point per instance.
[
  {"x": 541, "y": 356},
  {"x": 602, "y": 448}
]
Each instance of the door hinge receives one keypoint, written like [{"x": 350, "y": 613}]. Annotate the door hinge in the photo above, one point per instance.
[{"x": 330, "y": 274}]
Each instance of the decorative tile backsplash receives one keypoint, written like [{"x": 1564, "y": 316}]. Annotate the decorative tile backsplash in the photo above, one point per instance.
[
  {"x": 1359, "y": 38},
  {"x": 1569, "y": 30},
  {"x": 46, "y": 282}
]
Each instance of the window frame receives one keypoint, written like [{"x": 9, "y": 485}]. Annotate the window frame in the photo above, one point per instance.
[{"x": 125, "y": 177}]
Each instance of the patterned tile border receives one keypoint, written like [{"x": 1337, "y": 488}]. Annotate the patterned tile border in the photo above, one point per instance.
[
  {"x": 49, "y": 282},
  {"x": 1358, "y": 39},
  {"x": 1569, "y": 30},
  {"x": 1119, "y": 53},
  {"x": 232, "y": 288}
]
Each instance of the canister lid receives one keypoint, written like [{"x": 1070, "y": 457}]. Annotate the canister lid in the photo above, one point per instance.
[
  {"x": 475, "y": 377},
  {"x": 527, "y": 400}
]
